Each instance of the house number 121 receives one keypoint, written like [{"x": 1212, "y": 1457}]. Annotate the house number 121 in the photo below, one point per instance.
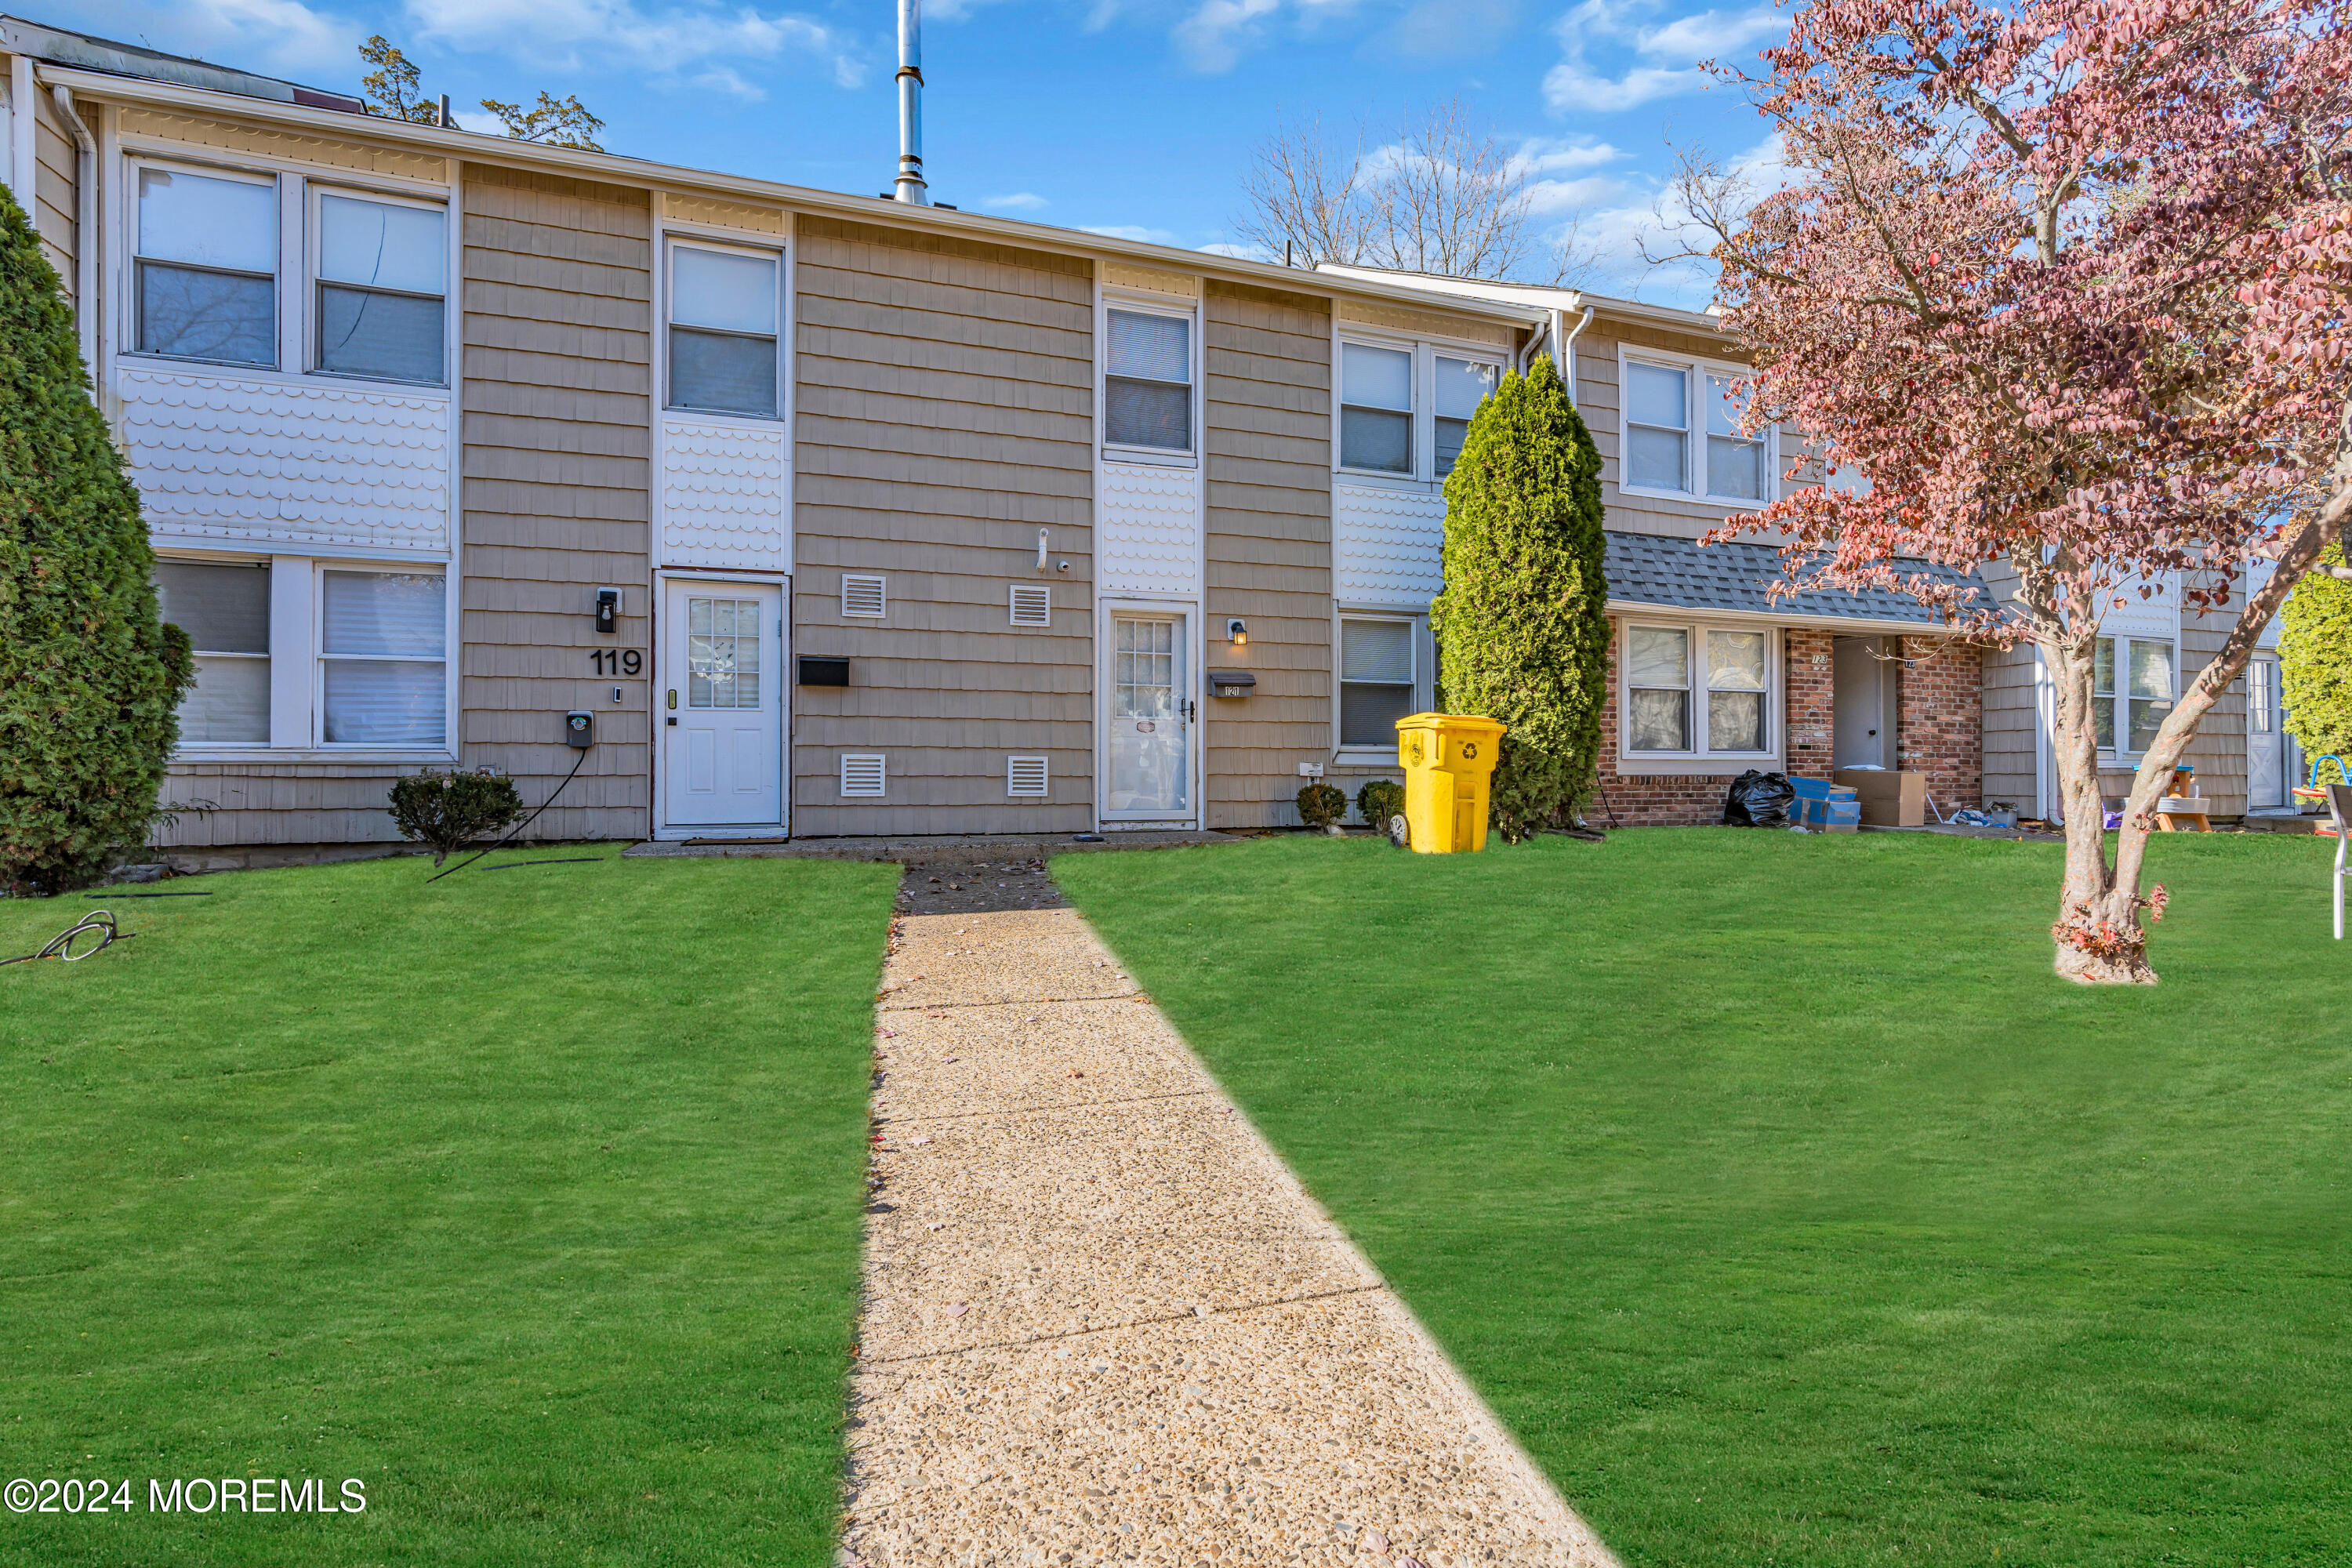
[{"x": 617, "y": 661}]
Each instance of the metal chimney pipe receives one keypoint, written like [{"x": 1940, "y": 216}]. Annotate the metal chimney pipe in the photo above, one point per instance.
[{"x": 911, "y": 189}]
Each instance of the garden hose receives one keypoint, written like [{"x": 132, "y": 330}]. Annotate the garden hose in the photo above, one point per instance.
[
  {"x": 526, "y": 822},
  {"x": 62, "y": 944}
]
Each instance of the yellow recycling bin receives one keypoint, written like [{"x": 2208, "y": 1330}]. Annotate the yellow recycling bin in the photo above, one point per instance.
[{"x": 1447, "y": 759}]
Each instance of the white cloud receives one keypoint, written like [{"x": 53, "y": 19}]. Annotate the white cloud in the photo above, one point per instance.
[
  {"x": 249, "y": 35},
  {"x": 1212, "y": 38},
  {"x": 1017, "y": 201},
  {"x": 1665, "y": 58},
  {"x": 1646, "y": 217},
  {"x": 717, "y": 49}
]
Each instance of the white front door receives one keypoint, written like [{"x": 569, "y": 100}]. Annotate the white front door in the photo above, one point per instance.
[
  {"x": 1150, "y": 718},
  {"x": 723, "y": 708},
  {"x": 2266, "y": 741}
]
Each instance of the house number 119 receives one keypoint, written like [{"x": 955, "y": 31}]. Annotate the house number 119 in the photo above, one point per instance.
[{"x": 617, "y": 661}]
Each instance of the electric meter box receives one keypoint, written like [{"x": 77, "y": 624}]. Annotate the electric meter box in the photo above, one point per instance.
[{"x": 580, "y": 728}]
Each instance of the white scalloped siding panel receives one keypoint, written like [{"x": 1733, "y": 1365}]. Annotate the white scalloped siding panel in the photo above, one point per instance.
[
  {"x": 1148, "y": 530},
  {"x": 1388, "y": 546},
  {"x": 725, "y": 494},
  {"x": 233, "y": 458}
]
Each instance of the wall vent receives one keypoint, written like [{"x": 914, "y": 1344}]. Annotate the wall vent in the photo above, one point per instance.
[
  {"x": 861, "y": 775},
  {"x": 1024, "y": 778},
  {"x": 862, "y": 595},
  {"x": 1033, "y": 605}
]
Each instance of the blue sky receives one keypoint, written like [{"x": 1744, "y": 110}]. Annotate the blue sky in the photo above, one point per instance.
[{"x": 1134, "y": 117}]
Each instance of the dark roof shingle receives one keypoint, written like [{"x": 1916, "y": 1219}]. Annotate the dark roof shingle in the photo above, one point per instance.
[{"x": 1681, "y": 573}]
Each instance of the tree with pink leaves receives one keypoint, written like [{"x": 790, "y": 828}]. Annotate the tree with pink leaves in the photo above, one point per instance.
[{"x": 2070, "y": 284}]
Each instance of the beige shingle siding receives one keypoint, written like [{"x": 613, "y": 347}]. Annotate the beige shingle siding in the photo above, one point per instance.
[
  {"x": 558, "y": 300},
  {"x": 2012, "y": 730},
  {"x": 1268, "y": 546},
  {"x": 279, "y": 803},
  {"x": 944, "y": 413},
  {"x": 55, "y": 176}
]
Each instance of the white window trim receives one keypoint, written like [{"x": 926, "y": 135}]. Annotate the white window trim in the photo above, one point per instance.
[
  {"x": 135, "y": 295},
  {"x": 319, "y": 655},
  {"x": 306, "y": 308},
  {"x": 1699, "y": 760},
  {"x": 672, "y": 240},
  {"x": 2119, "y": 755},
  {"x": 1144, "y": 304},
  {"x": 1424, "y": 666},
  {"x": 1425, "y": 352},
  {"x": 297, "y": 676},
  {"x": 1693, "y": 433}
]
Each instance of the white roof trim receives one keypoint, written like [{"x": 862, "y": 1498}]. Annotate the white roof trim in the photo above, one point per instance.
[{"x": 614, "y": 169}]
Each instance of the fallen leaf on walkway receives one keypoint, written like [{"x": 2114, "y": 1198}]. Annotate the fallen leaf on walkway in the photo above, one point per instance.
[
  {"x": 916, "y": 1142},
  {"x": 1076, "y": 1073},
  {"x": 1375, "y": 1541},
  {"x": 957, "y": 1308}
]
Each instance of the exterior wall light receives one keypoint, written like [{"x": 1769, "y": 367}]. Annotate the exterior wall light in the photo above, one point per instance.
[{"x": 1237, "y": 630}]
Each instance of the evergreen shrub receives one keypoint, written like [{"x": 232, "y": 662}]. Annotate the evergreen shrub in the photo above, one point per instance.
[
  {"x": 90, "y": 675},
  {"x": 1321, "y": 804},
  {"x": 449, "y": 811},
  {"x": 2315, "y": 661},
  {"x": 1522, "y": 626},
  {"x": 1379, "y": 800}
]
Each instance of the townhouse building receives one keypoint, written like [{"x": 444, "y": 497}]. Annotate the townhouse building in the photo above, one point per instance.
[{"x": 842, "y": 515}]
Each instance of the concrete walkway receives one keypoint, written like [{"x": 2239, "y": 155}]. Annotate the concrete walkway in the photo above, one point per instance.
[{"x": 1103, "y": 1324}]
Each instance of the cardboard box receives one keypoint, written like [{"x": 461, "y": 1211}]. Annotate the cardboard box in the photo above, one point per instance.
[
  {"x": 1888, "y": 800},
  {"x": 1828, "y": 815},
  {"x": 1818, "y": 789}
]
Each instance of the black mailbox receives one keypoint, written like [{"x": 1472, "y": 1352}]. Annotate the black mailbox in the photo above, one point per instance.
[{"x": 825, "y": 672}]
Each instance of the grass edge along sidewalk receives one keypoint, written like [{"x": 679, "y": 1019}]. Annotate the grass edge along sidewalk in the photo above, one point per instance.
[
  {"x": 1781, "y": 1200},
  {"x": 529, "y": 1199}
]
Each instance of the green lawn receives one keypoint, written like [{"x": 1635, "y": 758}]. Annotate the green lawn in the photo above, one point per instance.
[
  {"x": 530, "y": 1198},
  {"x": 1785, "y": 1204}
]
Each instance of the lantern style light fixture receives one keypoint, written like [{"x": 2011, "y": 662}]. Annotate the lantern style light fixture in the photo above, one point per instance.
[{"x": 1237, "y": 632}]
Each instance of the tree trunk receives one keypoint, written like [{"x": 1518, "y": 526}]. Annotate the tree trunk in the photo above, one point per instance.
[{"x": 2098, "y": 935}]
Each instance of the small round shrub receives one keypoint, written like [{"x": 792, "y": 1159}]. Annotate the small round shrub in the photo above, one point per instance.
[
  {"x": 449, "y": 811},
  {"x": 2315, "y": 661},
  {"x": 1321, "y": 804},
  {"x": 1379, "y": 800}
]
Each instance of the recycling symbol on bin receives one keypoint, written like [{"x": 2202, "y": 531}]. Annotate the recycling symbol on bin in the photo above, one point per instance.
[{"x": 1469, "y": 750}]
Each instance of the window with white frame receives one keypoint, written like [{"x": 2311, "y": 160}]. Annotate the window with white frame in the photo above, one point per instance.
[
  {"x": 1696, "y": 691},
  {"x": 724, "y": 309},
  {"x": 1405, "y": 409},
  {"x": 382, "y": 270},
  {"x": 1462, "y": 385},
  {"x": 383, "y": 642},
  {"x": 224, "y": 609},
  {"x": 1376, "y": 408},
  {"x": 1148, "y": 380},
  {"x": 1378, "y": 677},
  {"x": 206, "y": 267},
  {"x": 1682, "y": 434},
  {"x": 2136, "y": 709}
]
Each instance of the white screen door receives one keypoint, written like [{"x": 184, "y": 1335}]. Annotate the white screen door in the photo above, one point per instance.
[
  {"x": 2266, "y": 781},
  {"x": 722, "y": 706},
  {"x": 1150, "y": 747}
]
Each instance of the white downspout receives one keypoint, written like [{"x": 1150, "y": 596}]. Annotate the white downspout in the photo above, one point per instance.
[
  {"x": 86, "y": 304},
  {"x": 910, "y": 187},
  {"x": 1567, "y": 341}
]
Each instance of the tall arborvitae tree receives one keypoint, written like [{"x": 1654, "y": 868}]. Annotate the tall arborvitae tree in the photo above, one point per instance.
[
  {"x": 1523, "y": 627},
  {"x": 89, "y": 675},
  {"x": 2315, "y": 663}
]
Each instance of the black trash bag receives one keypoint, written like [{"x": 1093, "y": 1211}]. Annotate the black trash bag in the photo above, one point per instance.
[{"x": 1759, "y": 800}]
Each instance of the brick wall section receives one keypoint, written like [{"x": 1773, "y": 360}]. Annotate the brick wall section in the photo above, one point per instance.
[
  {"x": 1811, "y": 714},
  {"x": 1940, "y": 728}
]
